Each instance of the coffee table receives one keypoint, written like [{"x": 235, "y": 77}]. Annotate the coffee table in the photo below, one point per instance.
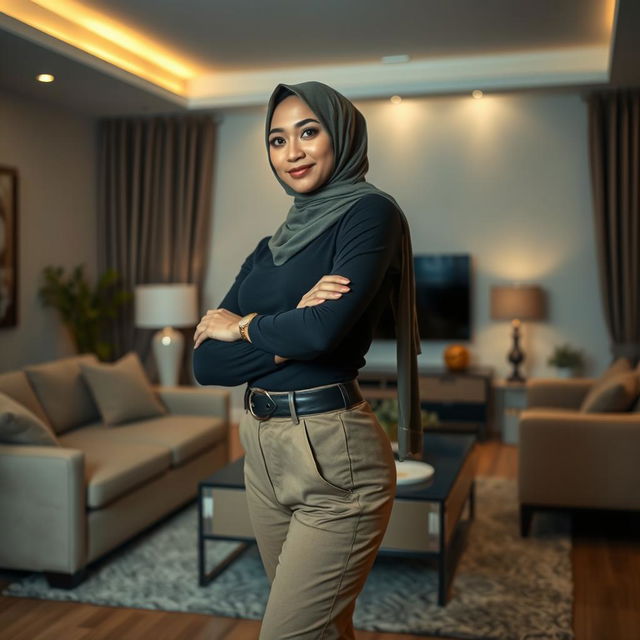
[{"x": 428, "y": 520}]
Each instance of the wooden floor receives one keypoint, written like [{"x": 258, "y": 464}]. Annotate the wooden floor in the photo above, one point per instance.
[{"x": 606, "y": 568}]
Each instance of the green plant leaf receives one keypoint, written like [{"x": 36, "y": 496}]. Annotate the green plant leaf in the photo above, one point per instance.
[{"x": 85, "y": 310}]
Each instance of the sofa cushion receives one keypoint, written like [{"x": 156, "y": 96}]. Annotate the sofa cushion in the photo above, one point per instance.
[
  {"x": 16, "y": 385},
  {"x": 615, "y": 392},
  {"x": 122, "y": 390},
  {"x": 185, "y": 436},
  {"x": 63, "y": 392},
  {"x": 115, "y": 467},
  {"x": 18, "y": 425}
]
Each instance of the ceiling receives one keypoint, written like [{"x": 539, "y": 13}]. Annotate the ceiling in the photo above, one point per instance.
[
  {"x": 246, "y": 34},
  {"x": 122, "y": 57}
]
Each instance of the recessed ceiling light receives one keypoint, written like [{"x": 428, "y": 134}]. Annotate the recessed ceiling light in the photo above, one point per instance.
[
  {"x": 45, "y": 77},
  {"x": 395, "y": 59},
  {"x": 395, "y": 99},
  {"x": 477, "y": 94}
]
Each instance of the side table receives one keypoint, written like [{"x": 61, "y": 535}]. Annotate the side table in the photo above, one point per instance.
[{"x": 510, "y": 400}]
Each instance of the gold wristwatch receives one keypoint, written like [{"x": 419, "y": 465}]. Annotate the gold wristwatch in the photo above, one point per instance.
[{"x": 244, "y": 323}]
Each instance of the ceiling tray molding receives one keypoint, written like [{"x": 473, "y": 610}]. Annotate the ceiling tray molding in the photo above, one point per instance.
[
  {"x": 522, "y": 70},
  {"x": 71, "y": 39}
]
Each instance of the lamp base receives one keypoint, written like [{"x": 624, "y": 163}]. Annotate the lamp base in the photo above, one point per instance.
[
  {"x": 168, "y": 346},
  {"x": 516, "y": 355}
]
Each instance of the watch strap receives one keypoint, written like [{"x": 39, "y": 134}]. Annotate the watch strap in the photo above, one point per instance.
[{"x": 244, "y": 324}]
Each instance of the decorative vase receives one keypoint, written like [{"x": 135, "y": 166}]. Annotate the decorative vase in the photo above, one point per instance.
[{"x": 565, "y": 372}]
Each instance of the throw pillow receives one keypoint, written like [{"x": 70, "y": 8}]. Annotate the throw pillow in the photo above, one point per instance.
[
  {"x": 122, "y": 390},
  {"x": 616, "y": 392},
  {"x": 16, "y": 385},
  {"x": 621, "y": 365},
  {"x": 18, "y": 425},
  {"x": 63, "y": 392}
]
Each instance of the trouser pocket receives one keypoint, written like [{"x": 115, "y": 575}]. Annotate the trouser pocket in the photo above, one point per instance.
[{"x": 327, "y": 452}]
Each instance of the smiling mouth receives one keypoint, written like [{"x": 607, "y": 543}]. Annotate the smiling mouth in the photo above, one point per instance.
[{"x": 299, "y": 172}]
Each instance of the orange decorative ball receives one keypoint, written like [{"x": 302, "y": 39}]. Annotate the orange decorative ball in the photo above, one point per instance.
[{"x": 456, "y": 357}]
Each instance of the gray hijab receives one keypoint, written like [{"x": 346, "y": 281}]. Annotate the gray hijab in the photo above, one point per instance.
[{"x": 314, "y": 212}]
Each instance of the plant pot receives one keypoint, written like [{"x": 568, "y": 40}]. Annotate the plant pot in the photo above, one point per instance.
[{"x": 565, "y": 372}]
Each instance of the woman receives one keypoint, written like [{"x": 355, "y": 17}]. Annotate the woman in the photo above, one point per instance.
[{"x": 319, "y": 471}]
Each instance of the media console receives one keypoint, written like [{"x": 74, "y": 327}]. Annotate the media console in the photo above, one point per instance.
[{"x": 461, "y": 399}]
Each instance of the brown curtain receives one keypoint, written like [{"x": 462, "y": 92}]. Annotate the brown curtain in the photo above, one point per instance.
[
  {"x": 154, "y": 205},
  {"x": 614, "y": 144}
]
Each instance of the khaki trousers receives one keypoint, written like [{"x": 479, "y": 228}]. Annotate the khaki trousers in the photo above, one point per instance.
[{"x": 320, "y": 495}]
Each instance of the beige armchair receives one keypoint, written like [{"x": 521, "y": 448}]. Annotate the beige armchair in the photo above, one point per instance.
[{"x": 570, "y": 459}]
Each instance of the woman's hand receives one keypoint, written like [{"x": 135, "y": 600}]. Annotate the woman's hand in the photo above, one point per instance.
[
  {"x": 328, "y": 287},
  {"x": 219, "y": 324}
]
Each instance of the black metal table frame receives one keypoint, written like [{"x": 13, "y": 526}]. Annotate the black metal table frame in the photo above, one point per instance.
[
  {"x": 204, "y": 576},
  {"x": 446, "y": 557}
]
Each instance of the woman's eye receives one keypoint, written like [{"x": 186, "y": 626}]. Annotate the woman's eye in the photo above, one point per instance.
[
  {"x": 276, "y": 142},
  {"x": 311, "y": 130}
]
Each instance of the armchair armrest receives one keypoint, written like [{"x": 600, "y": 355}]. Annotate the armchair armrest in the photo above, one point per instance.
[
  {"x": 579, "y": 459},
  {"x": 42, "y": 508},
  {"x": 562, "y": 393},
  {"x": 196, "y": 401}
]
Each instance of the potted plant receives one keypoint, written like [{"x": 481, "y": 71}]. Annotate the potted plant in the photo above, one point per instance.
[
  {"x": 85, "y": 310},
  {"x": 567, "y": 360},
  {"x": 387, "y": 414}
]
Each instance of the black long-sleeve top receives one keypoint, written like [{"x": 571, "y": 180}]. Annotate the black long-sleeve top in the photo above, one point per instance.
[{"x": 326, "y": 342}]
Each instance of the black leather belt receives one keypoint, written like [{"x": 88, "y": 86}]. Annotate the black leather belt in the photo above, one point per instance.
[{"x": 265, "y": 404}]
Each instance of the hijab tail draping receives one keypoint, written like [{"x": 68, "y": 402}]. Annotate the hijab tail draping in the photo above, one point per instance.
[{"x": 410, "y": 436}]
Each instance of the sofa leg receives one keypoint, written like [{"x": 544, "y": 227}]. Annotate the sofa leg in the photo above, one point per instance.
[
  {"x": 65, "y": 580},
  {"x": 526, "y": 516}
]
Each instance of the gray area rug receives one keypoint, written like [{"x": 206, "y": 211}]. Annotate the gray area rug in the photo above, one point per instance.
[{"x": 505, "y": 588}]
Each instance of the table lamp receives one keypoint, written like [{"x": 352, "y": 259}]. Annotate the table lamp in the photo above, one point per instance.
[
  {"x": 165, "y": 306},
  {"x": 516, "y": 303}
]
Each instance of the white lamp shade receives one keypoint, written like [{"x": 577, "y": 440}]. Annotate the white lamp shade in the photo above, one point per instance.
[{"x": 166, "y": 305}]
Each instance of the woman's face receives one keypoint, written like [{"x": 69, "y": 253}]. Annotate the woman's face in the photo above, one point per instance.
[{"x": 299, "y": 146}]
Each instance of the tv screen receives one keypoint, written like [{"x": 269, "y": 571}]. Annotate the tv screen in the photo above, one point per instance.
[{"x": 443, "y": 299}]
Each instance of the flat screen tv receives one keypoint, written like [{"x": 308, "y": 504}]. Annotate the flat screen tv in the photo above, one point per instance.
[{"x": 443, "y": 299}]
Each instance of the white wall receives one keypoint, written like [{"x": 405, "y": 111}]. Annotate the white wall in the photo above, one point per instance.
[
  {"x": 54, "y": 152},
  {"x": 505, "y": 178}
]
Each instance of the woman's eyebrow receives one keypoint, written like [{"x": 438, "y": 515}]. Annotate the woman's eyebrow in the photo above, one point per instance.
[{"x": 297, "y": 125}]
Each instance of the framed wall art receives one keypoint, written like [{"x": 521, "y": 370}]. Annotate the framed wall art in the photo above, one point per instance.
[{"x": 8, "y": 247}]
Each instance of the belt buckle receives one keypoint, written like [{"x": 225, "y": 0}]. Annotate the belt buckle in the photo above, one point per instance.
[{"x": 251, "y": 392}]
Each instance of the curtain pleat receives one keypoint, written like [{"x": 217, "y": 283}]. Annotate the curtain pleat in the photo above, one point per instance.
[
  {"x": 614, "y": 146},
  {"x": 154, "y": 208}
]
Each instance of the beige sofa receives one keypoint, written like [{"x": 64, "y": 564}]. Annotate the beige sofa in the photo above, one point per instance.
[
  {"x": 570, "y": 459},
  {"x": 62, "y": 507}
]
